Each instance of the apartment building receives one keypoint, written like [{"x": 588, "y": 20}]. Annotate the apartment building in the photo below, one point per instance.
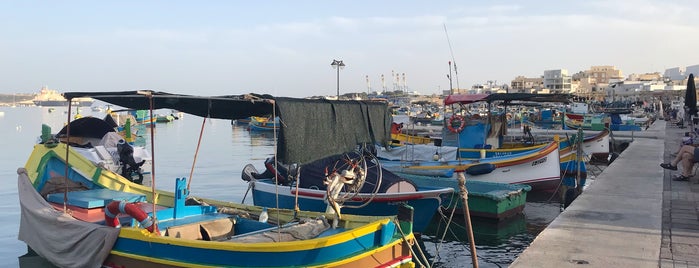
[
  {"x": 523, "y": 84},
  {"x": 557, "y": 81},
  {"x": 604, "y": 74}
]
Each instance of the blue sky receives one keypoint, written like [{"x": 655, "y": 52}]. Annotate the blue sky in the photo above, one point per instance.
[{"x": 285, "y": 48}]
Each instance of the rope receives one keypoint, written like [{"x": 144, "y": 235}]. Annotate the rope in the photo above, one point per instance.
[
  {"x": 152, "y": 150},
  {"x": 196, "y": 153},
  {"x": 446, "y": 228},
  {"x": 451, "y": 231},
  {"x": 395, "y": 221},
  {"x": 65, "y": 190}
]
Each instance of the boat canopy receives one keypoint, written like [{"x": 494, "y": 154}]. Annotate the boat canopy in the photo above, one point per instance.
[
  {"x": 464, "y": 98},
  {"x": 310, "y": 129},
  {"x": 223, "y": 107},
  {"x": 507, "y": 98}
]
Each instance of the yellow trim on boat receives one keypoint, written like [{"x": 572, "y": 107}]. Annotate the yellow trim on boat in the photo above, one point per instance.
[
  {"x": 552, "y": 146},
  {"x": 405, "y": 138},
  {"x": 137, "y": 234},
  {"x": 410, "y": 237}
]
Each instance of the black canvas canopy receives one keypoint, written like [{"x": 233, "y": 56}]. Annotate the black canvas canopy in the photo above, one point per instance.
[
  {"x": 223, "y": 107},
  {"x": 310, "y": 129},
  {"x": 88, "y": 127}
]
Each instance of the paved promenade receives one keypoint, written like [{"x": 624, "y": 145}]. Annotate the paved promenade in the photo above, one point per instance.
[{"x": 633, "y": 215}]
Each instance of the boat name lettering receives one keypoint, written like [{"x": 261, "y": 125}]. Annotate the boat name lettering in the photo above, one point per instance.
[
  {"x": 502, "y": 153},
  {"x": 539, "y": 161}
]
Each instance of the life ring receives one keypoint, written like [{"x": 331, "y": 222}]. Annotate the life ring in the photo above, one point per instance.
[
  {"x": 115, "y": 208},
  {"x": 452, "y": 119}
]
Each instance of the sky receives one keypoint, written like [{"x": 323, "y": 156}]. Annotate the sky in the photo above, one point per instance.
[{"x": 285, "y": 48}]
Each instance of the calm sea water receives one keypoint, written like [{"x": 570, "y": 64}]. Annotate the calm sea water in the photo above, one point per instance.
[{"x": 224, "y": 150}]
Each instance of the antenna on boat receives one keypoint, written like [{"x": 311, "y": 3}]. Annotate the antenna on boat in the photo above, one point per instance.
[
  {"x": 451, "y": 51},
  {"x": 460, "y": 175}
]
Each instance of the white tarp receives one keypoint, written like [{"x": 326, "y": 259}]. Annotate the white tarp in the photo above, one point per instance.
[
  {"x": 418, "y": 152},
  {"x": 58, "y": 237}
]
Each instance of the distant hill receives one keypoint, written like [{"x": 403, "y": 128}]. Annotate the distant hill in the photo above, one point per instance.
[{"x": 7, "y": 99}]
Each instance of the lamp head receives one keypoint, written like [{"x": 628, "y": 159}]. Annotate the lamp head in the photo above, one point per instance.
[{"x": 337, "y": 64}]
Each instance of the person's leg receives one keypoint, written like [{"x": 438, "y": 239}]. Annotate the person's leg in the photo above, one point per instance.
[
  {"x": 686, "y": 149},
  {"x": 687, "y": 164}
]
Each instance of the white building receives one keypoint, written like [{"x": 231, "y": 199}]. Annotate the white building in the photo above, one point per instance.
[
  {"x": 694, "y": 69},
  {"x": 557, "y": 81},
  {"x": 674, "y": 74}
]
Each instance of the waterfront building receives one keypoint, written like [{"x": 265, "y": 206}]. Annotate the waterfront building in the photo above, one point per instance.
[
  {"x": 674, "y": 74},
  {"x": 645, "y": 77},
  {"x": 523, "y": 84},
  {"x": 557, "y": 81},
  {"x": 694, "y": 69},
  {"x": 604, "y": 74}
]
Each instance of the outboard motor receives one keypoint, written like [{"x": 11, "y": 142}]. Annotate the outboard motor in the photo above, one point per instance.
[{"x": 128, "y": 163}]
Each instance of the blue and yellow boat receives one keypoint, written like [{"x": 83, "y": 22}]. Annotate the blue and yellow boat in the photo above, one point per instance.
[{"x": 77, "y": 213}]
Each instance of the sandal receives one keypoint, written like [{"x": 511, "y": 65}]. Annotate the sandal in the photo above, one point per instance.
[
  {"x": 668, "y": 166},
  {"x": 680, "y": 178}
]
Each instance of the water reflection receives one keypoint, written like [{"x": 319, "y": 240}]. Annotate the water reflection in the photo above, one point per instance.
[
  {"x": 498, "y": 243},
  {"x": 260, "y": 138},
  {"x": 486, "y": 232}
]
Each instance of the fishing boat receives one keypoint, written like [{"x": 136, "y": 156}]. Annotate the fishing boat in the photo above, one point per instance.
[
  {"x": 97, "y": 140},
  {"x": 538, "y": 168},
  {"x": 398, "y": 159},
  {"x": 77, "y": 213},
  {"x": 399, "y": 138},
  {"x": 380, "y": 192},
  {"x": 482, "y": 138},
  {"x": 497, "y": 201},
  {"x": 143, "y": 117},
  {"x": 162, "y": 118},
  {"x": 242, "y": 121},
  {"x": 263, "y": 124}
]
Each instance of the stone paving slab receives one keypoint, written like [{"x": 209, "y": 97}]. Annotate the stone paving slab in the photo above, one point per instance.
[
  {"x": 616, "y": 222},
  {"x": 601, "y": 228}
]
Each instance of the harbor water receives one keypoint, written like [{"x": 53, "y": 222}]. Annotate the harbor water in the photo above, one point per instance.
[{"x": 224, "y": 150}]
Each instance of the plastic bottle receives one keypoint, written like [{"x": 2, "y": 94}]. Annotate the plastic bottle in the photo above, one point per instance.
[{"x": 263, "y": 215}]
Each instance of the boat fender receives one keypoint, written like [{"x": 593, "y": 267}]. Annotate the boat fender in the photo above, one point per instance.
[
  {"x": 112, "y": 211},
  {"x": 456, "y": 119},
  {"x": 480, "y": 169}
]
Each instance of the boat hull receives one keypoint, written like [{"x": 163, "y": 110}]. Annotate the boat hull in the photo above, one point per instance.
[
  {"x": 425, "y": 203},
  {"x": 401, "y": 139},
  {"x": 485, "y": 199},
  {"x": 538, "y": 167},
  {"x": 375, "y": 242}
]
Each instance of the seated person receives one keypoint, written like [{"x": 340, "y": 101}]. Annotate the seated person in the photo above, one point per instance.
[{"x": 688, "y": 155}]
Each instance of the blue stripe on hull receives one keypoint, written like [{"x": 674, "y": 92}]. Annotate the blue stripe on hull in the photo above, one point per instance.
[
  {"x": 424, "y": 208},
  {"x": 214, "y": 257}
]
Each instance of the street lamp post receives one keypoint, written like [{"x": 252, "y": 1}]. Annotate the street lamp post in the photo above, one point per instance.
[{"x": 338, "y": 64}]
